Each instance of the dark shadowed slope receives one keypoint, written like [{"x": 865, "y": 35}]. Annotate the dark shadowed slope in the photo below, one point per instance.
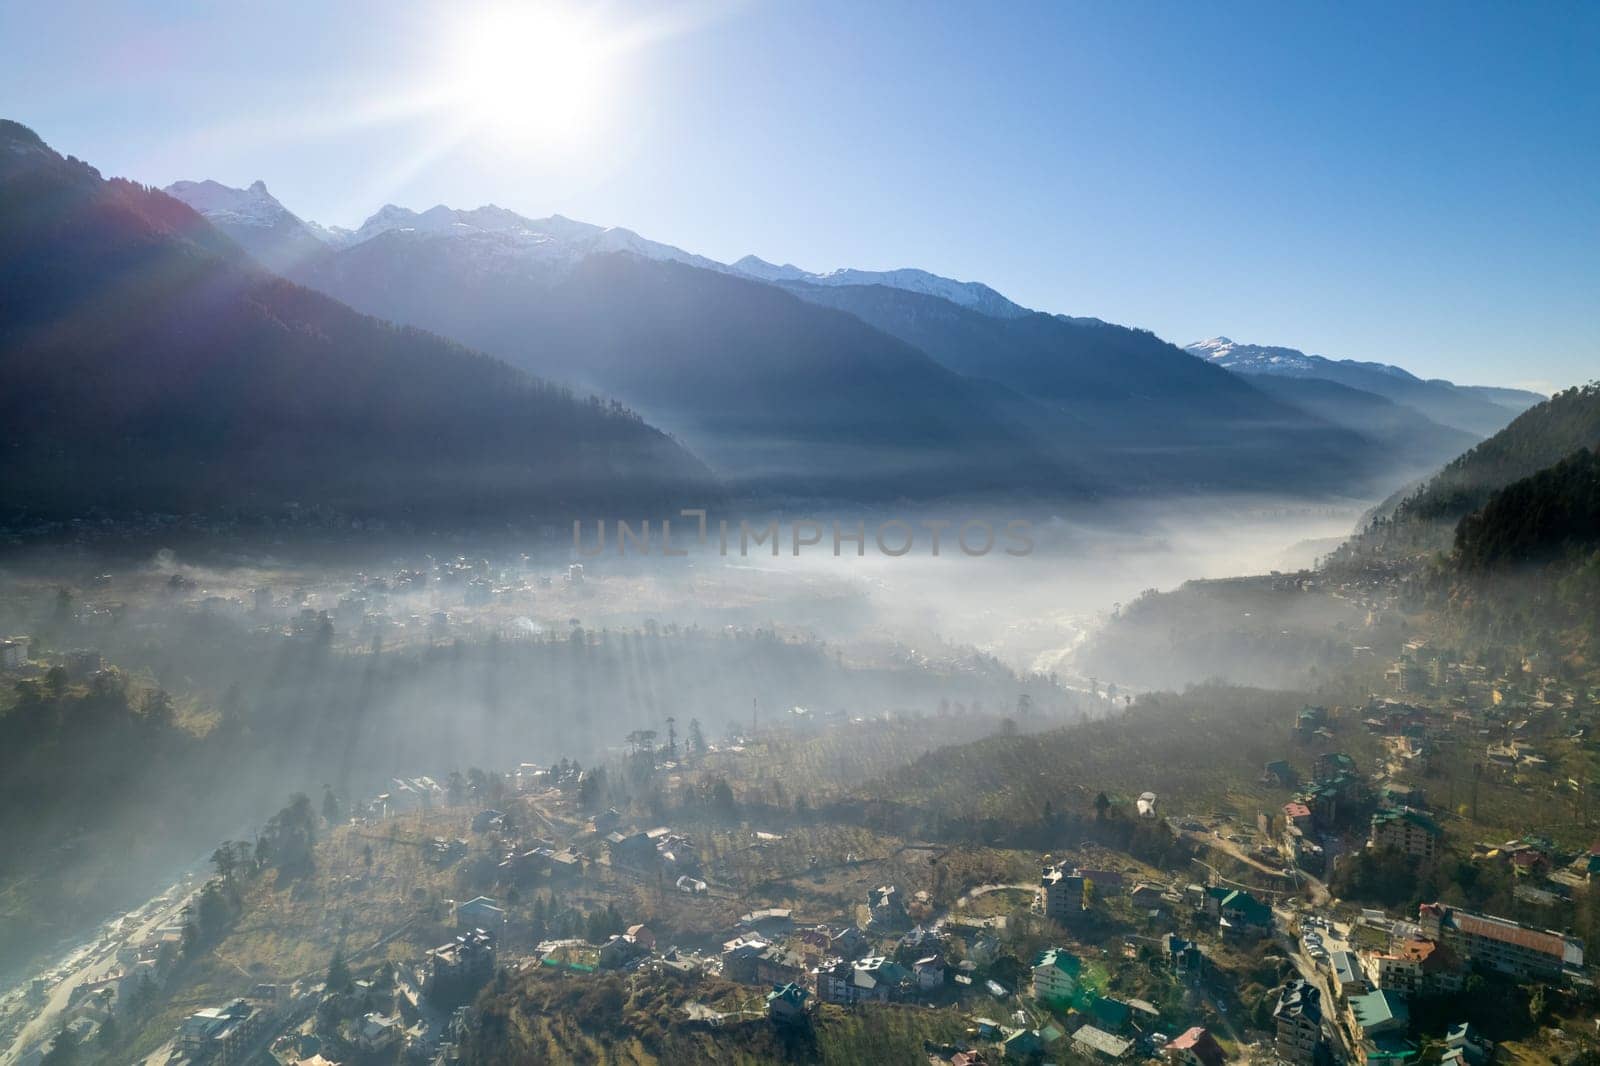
[
  {"x": 1143, "y": 410},
  {"x": 147, "y": 365},
  {"x": 1418, "y": 444},
  {"x": 786, "y": 396},
  {"x": 1424, "y": 519},
  {"x": 778, "y": 395},
  {"x": 1540, "y": 519}
]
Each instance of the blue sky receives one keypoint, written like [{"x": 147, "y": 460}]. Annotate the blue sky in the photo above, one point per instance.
[{"x": 1412, "y": 183}]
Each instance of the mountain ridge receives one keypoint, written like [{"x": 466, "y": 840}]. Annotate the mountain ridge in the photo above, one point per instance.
[
  {"x": 555, "y": 239},
  {"x": 1480, "y": 410},
  {"x": 1075, "y": 394},
  {"x": 149, "y": 364}
]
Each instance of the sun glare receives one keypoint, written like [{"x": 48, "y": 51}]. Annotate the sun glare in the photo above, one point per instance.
[{"x": 527, "y": 75}]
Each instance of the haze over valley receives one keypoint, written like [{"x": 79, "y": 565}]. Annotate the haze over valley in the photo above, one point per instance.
[{"x": 483, "y": 636}]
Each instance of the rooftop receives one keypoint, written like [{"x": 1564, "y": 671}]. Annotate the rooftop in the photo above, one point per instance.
[
  {"x": 1377, "y": 1010},
  {"x": 1102, "y": 1041}
]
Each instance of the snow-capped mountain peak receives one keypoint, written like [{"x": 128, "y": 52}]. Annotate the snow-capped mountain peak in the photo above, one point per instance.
[
  {"x": 1215, "y": 348},
  {"x": 1255, "y": 358},
  {"x": 252, "y": 206},
  {"x": 281, "y": 240},
  {"x": 1270, "y": 359},
  {"x": 972, "y": 295},
  {"x": 556, "y": 238},
  {"x": 756, "y": 267}
]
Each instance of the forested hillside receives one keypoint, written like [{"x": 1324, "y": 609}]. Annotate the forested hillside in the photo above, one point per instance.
[
  {"x": 1540, "y": 519},
  {"x": 1425, "y": 519},
  {"x": 1143, "y": 413},
  {"x": 146, "y": 365}
]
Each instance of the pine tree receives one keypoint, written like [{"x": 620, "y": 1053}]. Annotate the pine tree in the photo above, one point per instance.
[
  {"x": 339, "y": 978},
  {"x": 331, "y": 810}
]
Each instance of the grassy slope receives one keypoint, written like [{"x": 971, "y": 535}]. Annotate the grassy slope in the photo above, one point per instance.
[{"x": 539, "y": 1017}]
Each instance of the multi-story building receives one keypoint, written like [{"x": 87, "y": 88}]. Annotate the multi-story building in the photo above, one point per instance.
[
  {"x": 833, "y": 981},
  {"x": 1299, "y": 1025},
  {"x": 873, "y": 979},
  {"x": 1502, "y": 944},
  {"x": 1063, "y": 894},
  {"x": 1416, "y": 968},
  {"x": 741, "y": 957},
  {"x": 1377, "y": 1022},
  {"x": 220, "y": 1035},
  {"x": 1332, "y": 765},
  {"x": 1238, "y": 913},
  {"x": 1055, "y": 975},
  {"x": 1347, "y": 979},
  {"x": 1407, "y": 831},
  {"x": 461, "y": 967},
  {"x": 13, "y": 653}
]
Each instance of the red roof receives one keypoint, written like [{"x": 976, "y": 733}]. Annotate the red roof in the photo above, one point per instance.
[
  {"x": 1508, "y": 933},
  {"x": 1200, "y": 1043}
]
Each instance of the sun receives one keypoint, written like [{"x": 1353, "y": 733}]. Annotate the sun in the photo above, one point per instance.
[{"x": 527, "y": 75}]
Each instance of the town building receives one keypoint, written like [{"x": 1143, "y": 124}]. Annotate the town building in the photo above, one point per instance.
[
  {"x": 1347, "y": 974},
  {"x": 459, "y": 968},
  {"x": 786, "y": 1003},
  {"x": 929, "y": 972},
  {"x": 1408, "y": 831},
  {"x": 379, "y": 1033},
  {"x": 1501, "y": 944},
  {"x": 886, "y": 908},
  {"x": 1055, "y": 975},
  {"x": 1468, "y": 1047},
  {"x": 1298, "y": 1020},
  {"x": 1063, "y": 894},
  {"x": 1379, "y": 1013},
  {"x": 619, "y": 950},
  {"x": 875, "y": 979},
  {"x": 1094, "y": 1042},
  {"x": 1379, "y": 1021},
  {"x": 220, "y": 1035},
  {"x": 1187, "y": 960},
  {"x": 832, "y": 981},
  {"x": 631, "y": 849},
  {"x": 1279, "y": 772},
  {"x": 480, "y": 912},
  {"x": 1195, "y": 1047},
  {"x": 13, "y": 653},
  {"x": 1416, "y": 968},
  {"x": 1332, "y": 765},
  {"x": 1238, "y": 913}
]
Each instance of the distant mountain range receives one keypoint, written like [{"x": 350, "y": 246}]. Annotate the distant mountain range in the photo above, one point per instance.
[
  {"x": 1141, "y": 412},
  {"x": 846, "y": 383},
  {"x": 972, "y": 295},
  {"x": 780, "y": 397},
  {"x": 147, "y": 364},
  {"x": 1479, "y": 410},
  {"x": 147, "y": 359}
]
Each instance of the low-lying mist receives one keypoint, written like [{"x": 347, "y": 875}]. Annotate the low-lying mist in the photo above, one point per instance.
[{"x": 197, "y": 692}]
